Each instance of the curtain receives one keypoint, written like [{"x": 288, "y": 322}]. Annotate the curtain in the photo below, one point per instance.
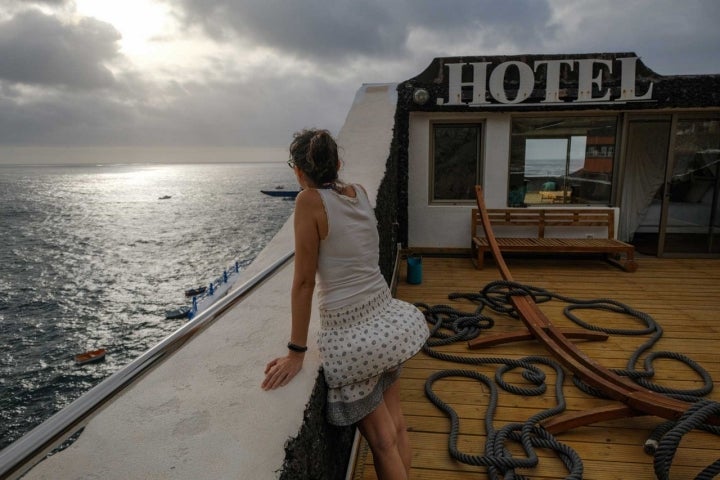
[{"x": 644, "y": 173}]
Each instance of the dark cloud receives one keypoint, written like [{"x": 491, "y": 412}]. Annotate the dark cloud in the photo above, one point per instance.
[
  {"x": 672, "y": 38},
  {"x": 687, "y": 43},
  {"x": 263, "y": 111},
  {"x": 519, "y": 20},
  {"x": 39, "y": 49},
  {"x": 308, "y": 28},
  {"x": 341, "y": 30},
  {"x": 24, "y": 4},
  {"x": 63, "y": 119}
]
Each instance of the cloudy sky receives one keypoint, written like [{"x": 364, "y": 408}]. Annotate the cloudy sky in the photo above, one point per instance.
[{"x": 248, "y": 73}]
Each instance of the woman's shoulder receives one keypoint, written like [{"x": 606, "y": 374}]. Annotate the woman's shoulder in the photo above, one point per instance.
[
  {"x": 361, "y": 188},
  {"x": 308, "y": 197},
  {"x": 309, "y": 205}
]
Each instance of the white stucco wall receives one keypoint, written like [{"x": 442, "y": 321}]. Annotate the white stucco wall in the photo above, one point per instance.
[
  {"x": 366, "y": 135},
  {"x": 448, "y": 226}
]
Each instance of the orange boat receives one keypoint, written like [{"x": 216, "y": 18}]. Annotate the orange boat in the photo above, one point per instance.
[{"x": 90, "y": 356}]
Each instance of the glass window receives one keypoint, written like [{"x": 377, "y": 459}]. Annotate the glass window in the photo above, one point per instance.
[
  {"x": 693, "y": 218},
  {"x": 456, "y": 165},
  {"x": 556, "y": 160}
]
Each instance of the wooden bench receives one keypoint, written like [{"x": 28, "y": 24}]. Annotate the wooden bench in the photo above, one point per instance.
[
  {"x": 551, "y": 230},
  {"x": 556, "y": 196}
]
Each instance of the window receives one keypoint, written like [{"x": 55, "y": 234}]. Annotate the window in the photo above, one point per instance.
[
  {"x": 561, "y": 160},
  {"x": 693, "y": 216},
  {"x": 456, "y": 165}
]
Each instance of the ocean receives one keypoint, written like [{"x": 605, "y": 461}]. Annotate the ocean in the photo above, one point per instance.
[{"x": 93, "y": 257}]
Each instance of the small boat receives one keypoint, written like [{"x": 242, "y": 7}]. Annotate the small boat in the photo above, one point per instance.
[
  {"x": 90, "y": 356},
  {"x": 164, "y": 197},
  {"x": 281, "y": 193},
  {"x": 195, "y": 291},
  {"x": 181, "y": 312}
]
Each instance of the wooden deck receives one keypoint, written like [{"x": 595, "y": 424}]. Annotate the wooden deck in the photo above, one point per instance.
[{"x": 682, "y": 295}]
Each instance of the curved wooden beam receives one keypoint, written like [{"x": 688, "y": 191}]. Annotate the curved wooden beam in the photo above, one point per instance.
[
  {"x": 523, "y": 336},
  {"x": 636, "y": 400}
]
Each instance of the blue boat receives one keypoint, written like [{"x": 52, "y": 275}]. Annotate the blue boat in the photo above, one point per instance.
[{"x": 281, "y": 193}]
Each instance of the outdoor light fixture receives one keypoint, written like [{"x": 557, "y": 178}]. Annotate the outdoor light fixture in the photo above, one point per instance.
[{"x": 421, "y": 96}]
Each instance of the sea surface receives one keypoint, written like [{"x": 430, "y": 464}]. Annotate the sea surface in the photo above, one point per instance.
[
  {"x": 551, "y": 167},
  {"x": 91, "y": 256}
]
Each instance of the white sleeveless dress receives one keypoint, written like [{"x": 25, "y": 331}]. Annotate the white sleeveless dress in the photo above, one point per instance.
[{"x": 365, "y": 334}]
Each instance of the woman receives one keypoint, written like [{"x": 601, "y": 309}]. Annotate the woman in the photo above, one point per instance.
[{"x": 365, "y": 334}]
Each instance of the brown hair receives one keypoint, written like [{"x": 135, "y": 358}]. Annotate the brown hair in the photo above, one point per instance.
[{"x": 315, "y": 152}]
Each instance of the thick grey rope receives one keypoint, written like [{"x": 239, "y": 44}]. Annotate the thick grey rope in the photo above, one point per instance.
[
  {"x": 496, "y": 295},
  {"x": 496, "y": 289},
  {"x": 694, "y": 417},
  {"x": 530, "y": 435}
]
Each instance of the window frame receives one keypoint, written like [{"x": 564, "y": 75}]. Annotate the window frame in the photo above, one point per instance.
[
  {"x": 480, "y": 126},
  {"x": 557, "y": 119}
]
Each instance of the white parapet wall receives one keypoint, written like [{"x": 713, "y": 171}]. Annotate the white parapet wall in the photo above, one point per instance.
[
  {"x": 201, "y": 414},
  {"x": 365, "y": 137}
]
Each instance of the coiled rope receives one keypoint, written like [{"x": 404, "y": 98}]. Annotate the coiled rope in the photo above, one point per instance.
[
  {"x": 468, "y": 325},
  {"x": 496, "y": 295},
  {"x": 530, "y": 434},
  {"x": 694, "y": 417}
]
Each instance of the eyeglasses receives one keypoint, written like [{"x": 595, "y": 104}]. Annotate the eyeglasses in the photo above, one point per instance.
[{"x": 291, "y": 163}]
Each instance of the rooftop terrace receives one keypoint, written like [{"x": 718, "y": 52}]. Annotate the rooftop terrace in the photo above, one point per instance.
[{"x": 682, "y": 295}]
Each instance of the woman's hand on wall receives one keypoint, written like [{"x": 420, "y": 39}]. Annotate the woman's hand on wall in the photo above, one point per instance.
[{"x": 280, "y": 371}]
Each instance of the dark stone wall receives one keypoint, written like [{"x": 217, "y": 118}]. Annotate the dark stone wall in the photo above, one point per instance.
[
  {"x": 392, "y": 199},
  {"x": 320, "y": 451}
]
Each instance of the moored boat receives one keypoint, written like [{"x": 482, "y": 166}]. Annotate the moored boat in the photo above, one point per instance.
[
  {"x": 90, "y": 356},
  {"x": 281, "y": 193},
  {"x": 181, "y": 312},
  {"x": 191, "y": 292}
]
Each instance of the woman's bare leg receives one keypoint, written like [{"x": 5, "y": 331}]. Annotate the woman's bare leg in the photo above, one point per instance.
[
  {"x": 380, "y": 431},
  {"x": 392, "y": 401}
]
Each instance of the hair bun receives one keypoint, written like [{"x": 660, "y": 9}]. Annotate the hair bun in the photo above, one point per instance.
[{"x": 315, "y": 152}]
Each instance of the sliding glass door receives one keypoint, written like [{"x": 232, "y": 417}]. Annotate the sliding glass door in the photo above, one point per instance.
[
  {"x": 692, "y": 224},
  {"x": 671, "y": 187}
]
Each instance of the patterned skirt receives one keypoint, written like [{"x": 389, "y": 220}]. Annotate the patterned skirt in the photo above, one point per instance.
[{"x": 362, "y": 347}]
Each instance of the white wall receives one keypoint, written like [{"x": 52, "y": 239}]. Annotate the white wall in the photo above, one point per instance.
[
  {"x": 448, "y": 226},
  {"x": 366, "y": 136}
]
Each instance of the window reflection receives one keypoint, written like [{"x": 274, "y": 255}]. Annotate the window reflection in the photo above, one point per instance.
[
  {"x": 561, "y": 160},
  {"x": 693, "y": 222},
  {"x": 456, "y": 162}
]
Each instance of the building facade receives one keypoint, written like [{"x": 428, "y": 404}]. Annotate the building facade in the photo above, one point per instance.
[{"x": 551, "y": 130}]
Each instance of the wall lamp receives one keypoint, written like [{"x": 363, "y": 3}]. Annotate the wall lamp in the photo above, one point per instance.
[{"x": 421, "y": 96}]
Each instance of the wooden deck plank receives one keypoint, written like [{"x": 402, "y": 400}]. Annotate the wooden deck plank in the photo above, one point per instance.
[{"x": 682, "y": 295}]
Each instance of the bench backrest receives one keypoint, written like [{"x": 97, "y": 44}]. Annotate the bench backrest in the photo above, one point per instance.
[{"x": 537, "y": 219}]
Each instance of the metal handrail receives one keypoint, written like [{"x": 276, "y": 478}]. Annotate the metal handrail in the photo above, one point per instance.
[{"x": 20, "y": 456}]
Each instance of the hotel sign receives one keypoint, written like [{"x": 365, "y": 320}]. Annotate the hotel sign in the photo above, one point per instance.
[{"x": 546, "y": 82}]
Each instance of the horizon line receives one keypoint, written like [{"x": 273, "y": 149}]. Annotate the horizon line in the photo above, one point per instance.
[{"x": 103, "y": 155}]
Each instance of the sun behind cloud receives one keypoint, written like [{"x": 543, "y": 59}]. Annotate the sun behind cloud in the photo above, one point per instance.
[
  {"x": 139, "y": 21},
  {"x": 155, "y": 40}
]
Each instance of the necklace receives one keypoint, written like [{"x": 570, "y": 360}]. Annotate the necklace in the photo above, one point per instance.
[{"x": 331, "y": 186}]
